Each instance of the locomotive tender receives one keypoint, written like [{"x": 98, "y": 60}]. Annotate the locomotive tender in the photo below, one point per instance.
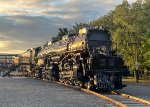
[{"x": 85, "y": 59}]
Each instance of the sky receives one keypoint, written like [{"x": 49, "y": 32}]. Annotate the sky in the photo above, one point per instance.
[{"x": 26, "y": 24}]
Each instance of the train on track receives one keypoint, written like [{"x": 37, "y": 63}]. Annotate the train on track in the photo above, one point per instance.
[{"x": 85, "y": 59}]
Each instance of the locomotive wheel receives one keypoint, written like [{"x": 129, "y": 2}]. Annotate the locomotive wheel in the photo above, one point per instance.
[
  {"x": 43, "y": 77},
  {"x": 90, "y": 86}
]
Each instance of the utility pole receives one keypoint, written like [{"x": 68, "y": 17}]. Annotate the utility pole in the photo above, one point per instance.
[
  {"x": 136, "y": 64},
  {"x": 31, "y": 59},
  {"x": 136, "y": 60}
]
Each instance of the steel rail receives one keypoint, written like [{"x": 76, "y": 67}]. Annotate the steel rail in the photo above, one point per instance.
[{"x": 132, "y": 97}]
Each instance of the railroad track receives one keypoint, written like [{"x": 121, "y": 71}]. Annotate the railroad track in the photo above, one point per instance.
[
  {"x": 129, "y": 100},
  {"x": 116, "y": 98},
  {"x": 120, "y": 99}
]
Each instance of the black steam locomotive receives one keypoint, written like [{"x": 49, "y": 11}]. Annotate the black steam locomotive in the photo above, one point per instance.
[{"x": 84, "y": 59}]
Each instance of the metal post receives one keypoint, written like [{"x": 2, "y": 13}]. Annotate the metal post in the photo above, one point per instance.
[
  {"x": 31, "y": 60},
  {"x": 136, "y": 73},
  {"x": 136, "y": 65},
  {"x": 5, "y": 65}
]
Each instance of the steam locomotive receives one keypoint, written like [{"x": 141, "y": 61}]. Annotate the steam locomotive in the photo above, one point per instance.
[{"x": 85, "y": 59}]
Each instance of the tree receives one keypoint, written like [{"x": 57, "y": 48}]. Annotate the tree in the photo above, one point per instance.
[{"x": 62, "y": 32}]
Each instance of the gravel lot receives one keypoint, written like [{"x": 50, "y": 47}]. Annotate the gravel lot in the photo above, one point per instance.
[{"x": 28, "y": 92}]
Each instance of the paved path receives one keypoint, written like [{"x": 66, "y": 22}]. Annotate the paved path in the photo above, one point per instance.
[
  {"x": 138, "y": 89},
  {"x": 27, "y": 92}
]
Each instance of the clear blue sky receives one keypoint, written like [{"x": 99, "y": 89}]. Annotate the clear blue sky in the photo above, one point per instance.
[{"x": 29, "y": 23}]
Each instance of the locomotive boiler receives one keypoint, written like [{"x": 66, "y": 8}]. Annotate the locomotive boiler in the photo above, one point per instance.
[{"x": 85, "y": 59}]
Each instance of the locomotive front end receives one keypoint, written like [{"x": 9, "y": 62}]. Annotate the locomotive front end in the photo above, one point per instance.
[
  {"x": 106, "y": 67},
  {"x": 108, "y": 72}
]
